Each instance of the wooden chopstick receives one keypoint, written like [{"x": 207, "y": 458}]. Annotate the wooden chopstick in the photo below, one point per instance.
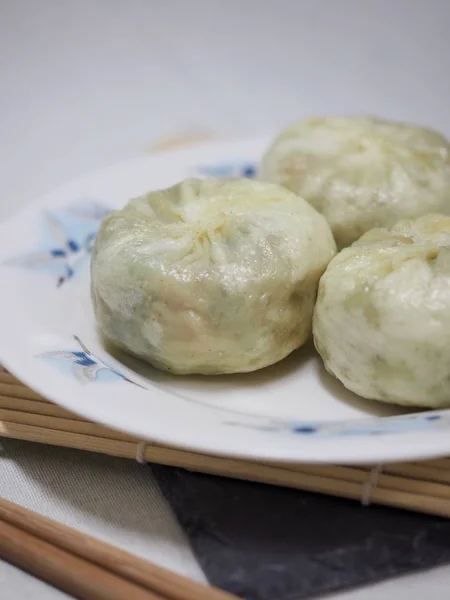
[
  {"x": 68, "y": 558},
  {"x": 65, "y": 571}
]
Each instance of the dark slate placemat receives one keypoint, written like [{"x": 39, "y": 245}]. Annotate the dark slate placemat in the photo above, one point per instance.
[{"x": 262, "y": 542}]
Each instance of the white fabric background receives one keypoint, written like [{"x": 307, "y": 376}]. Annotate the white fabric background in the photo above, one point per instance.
[{"x": 87, "y": 83}]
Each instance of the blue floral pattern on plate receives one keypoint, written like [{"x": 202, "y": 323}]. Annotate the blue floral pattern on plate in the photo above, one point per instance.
[
  {"x": 68, "y": 237},
  {"x": 84, "y": 365},
  {"x": 363, "y": 427}
]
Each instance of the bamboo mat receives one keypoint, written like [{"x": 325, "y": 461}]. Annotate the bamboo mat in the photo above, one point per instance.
[{"x": 422, "y": 487}]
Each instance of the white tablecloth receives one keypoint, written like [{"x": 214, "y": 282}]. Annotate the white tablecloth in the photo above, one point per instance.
[{"x": 87, "y": 83}]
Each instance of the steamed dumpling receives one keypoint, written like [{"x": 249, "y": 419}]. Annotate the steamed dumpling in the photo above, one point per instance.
[
  {"x": 210, "y": 276},
  {"x": 362, "y": 172},
  {"x": 382, "y": 318}
]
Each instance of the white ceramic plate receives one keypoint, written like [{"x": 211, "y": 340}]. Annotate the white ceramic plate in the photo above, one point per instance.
[{"x": 292, "y": 411}]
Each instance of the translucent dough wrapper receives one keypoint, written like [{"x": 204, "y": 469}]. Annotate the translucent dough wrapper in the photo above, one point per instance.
[
  {"x": 382, "y": 318},
  {"x": 210, "y": 276},
  {"x": 362, "y": 172}
]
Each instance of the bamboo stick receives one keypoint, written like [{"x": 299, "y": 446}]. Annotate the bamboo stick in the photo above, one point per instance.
[
  {"x": 63, "y": 424},
  {"x": 64, "y": 570},
  {"x": 86, "y": 566},
  {"x": 18, "y": 391},
  {"x": 6, "y": 377},
  {"x": 36, "y": 407}
]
